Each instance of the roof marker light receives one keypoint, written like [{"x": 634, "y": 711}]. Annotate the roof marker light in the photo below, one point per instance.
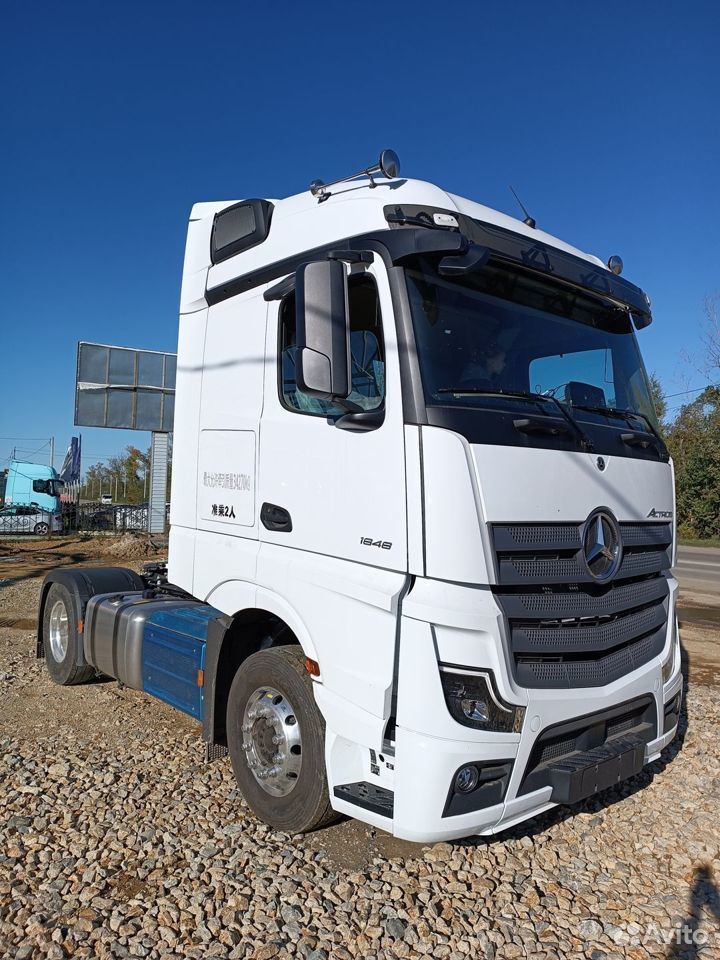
[
  {"x": 445, "y": 220},
  {"x": 615, "y": 265}
]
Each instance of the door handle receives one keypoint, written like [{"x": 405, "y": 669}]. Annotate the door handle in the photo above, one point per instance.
[{"x": 275, "y": 518}]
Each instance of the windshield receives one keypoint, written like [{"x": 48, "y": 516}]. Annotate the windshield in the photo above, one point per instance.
[{"x": 500, "y": 331}]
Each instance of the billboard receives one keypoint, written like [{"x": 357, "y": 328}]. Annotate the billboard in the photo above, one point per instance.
[{"x": 124, "y": 388}]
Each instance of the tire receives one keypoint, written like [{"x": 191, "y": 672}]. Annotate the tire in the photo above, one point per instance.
[
  {"x": 276, "y": 680},
  {"x": 41, "y": 529},
  {"x": 61, "y": 640}
]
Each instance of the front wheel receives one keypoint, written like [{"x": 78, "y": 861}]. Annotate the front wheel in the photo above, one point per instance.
[
  {"x": 61, "y": 641},
  {"x": 276, "y": 739},
  {"x": 41, "y": 529}
]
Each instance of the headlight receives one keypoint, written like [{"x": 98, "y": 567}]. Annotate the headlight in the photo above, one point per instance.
[
  {"x": 472, "y": 700},
  {"x": 673, "y": 659}
]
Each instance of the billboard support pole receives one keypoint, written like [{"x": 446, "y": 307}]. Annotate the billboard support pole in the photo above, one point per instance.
[{"x": 158, "y": 482}]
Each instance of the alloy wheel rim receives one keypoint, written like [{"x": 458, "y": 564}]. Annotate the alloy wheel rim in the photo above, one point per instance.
[
  {"x": 59, "y": 631},
  {"x": 271, "y": 741}
]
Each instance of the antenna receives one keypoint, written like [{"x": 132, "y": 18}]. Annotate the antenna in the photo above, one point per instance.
[{"x": 528, "y": 221}]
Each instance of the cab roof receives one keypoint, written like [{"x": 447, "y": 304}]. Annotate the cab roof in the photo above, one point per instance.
[{"x": 303, "y": 222}]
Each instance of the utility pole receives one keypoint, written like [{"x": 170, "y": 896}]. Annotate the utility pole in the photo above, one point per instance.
[{"x": 52, "y": 452}]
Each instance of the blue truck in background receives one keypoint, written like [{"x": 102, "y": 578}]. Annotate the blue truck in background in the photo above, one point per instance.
[{"x": 33, "y": 483}]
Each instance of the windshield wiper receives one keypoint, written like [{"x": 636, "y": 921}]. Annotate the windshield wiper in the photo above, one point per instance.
[
  {"x": 626, "y": 415},
  {"x": 490, "y": 392},
  {"x": 585, "y": 440}
]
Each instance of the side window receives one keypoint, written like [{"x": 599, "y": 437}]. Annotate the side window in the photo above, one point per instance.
[
  {"x": 367, "y": 351},
  {"x": 584, "y": 374}
]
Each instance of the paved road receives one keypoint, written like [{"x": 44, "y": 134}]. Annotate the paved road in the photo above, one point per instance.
[{"x": 698, "y": 569}]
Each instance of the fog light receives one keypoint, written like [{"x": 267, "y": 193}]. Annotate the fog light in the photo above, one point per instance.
[
  {"x": 466, "y": 779},
  {"x": 472, "y": 699}
]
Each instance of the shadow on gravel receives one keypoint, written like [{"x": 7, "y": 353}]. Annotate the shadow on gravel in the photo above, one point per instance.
[
  {"x": 31, "y": 566},
  {"x": 599, "y": 803},
  {"x": 689, "y": 936}
]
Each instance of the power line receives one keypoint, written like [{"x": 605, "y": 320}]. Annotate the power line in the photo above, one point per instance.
[
  {"x": 684, "y": 393},
  {"x": 33, "y": 452}
]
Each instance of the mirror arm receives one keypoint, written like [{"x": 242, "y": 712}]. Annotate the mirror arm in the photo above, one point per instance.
[
  {"x": 281, "y": 289},
  {"x": 351, "y": 256},
  {"x": 470, "y": 261},
  {"x": 348, "y": 405},
  {"x": 362, "y": 421}
]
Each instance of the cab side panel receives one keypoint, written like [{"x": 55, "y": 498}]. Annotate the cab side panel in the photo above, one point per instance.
[{"x": 226, "y": 478}]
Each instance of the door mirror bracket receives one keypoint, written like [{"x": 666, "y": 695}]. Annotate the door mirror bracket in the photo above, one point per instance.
[{"x": 361, "y": 421}]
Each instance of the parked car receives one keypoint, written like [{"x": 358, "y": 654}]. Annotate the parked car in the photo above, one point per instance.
[
  {"x": 29, "y": 518},
  {"x": 102, "y": 519}
]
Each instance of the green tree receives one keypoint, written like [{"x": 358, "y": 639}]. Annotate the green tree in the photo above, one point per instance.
[
  {"x": 658, "y": 398},
  {"x": 694, "y": 442},
  {"x": 125, "y": 477}
]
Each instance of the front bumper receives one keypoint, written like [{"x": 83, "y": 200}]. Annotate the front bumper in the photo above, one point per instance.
[
  {"x": 426, "y": 763},
  {"x": 425, "y": 767}
]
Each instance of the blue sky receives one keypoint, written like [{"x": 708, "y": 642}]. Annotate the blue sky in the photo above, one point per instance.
[{"x": 116, "y": 118}]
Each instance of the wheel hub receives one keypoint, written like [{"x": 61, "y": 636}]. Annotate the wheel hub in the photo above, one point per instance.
[
  {"x": 272, "y": 741},
  {"x": 59, "y": 632}
]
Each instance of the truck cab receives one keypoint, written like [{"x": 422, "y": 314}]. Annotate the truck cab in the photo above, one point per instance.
[
  {"x": 419, "y": 568},
  {"x": 33, "y": 483}
]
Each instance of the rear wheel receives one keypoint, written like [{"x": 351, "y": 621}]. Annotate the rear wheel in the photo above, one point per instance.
[
  {"x": 41, "y": 529},
  {"x": 276, "y": 739},
  {"x": 61, "y": 640}
]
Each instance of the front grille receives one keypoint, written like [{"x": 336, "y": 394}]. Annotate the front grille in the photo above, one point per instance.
[{"x": 565, "y": 630}]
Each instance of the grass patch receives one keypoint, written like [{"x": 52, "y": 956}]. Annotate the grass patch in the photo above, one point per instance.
[{"x": 695, "y": 542}]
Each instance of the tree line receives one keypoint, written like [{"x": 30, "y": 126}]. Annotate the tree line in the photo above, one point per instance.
[
  {"x": 125, "y": 477},
  {"x": 693, "y": 439}
]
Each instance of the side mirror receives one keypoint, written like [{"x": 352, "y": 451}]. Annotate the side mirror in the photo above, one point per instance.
[{"x": 322, "y": 323}]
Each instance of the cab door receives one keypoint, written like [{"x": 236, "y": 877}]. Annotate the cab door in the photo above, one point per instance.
[
  {"x": 333, "y": 528},
  {"x": 341, "y": 493}
]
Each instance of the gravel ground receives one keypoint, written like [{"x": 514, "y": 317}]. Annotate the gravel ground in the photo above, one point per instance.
[{"x": 117, "y": 840}]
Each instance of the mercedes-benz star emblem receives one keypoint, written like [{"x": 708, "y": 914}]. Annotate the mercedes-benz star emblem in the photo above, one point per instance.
[{"x": 602, "y": 545}]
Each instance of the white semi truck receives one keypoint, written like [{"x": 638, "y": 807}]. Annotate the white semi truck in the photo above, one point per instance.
[{"x": 419, "y": 560}]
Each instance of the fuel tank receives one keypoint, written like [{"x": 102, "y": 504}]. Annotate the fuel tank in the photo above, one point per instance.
[{"x": 150, "y": 643}]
